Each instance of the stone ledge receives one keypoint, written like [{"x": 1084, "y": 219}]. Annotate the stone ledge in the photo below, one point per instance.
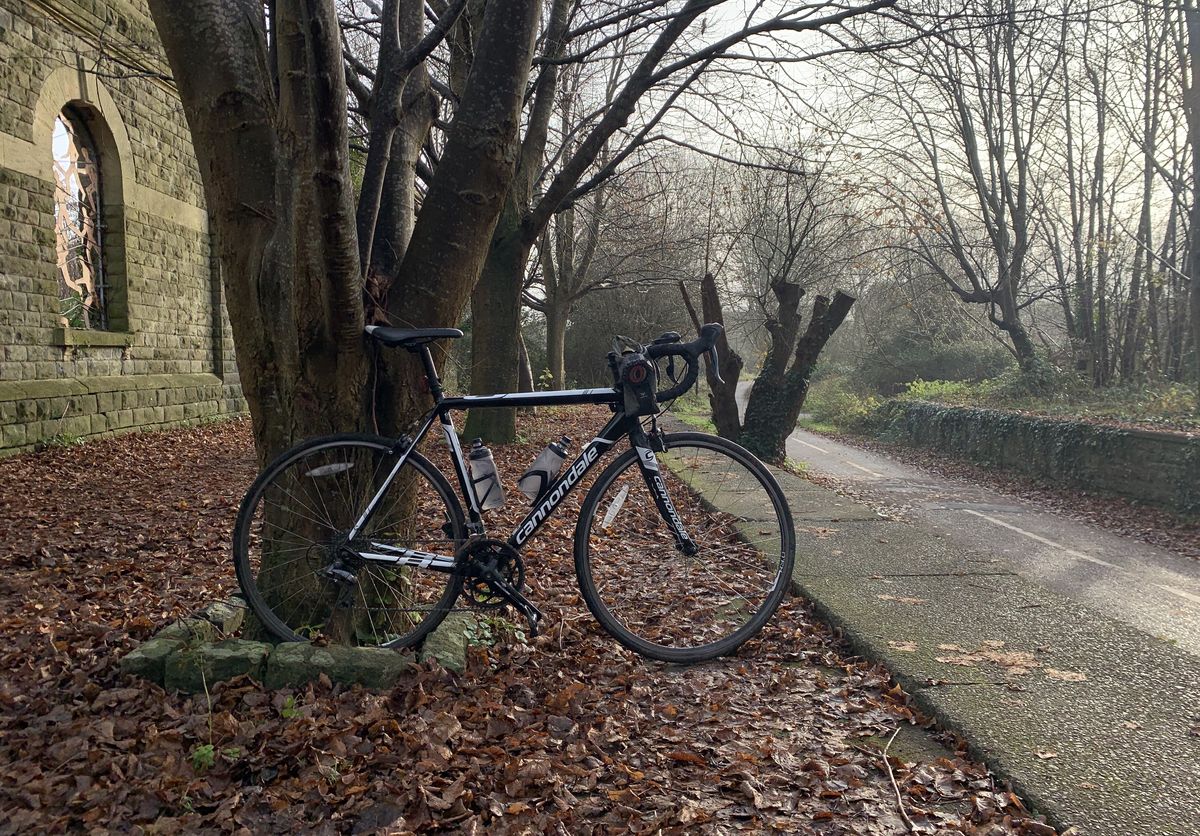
[
  {"x": 193, "y": 653},
  {"x": 77, "y": 336},
  {"x": 23, "y": 390}
]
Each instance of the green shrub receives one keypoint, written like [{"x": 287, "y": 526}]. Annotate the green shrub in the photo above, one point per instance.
[
  {"x": 833, "y": 401},
  {"x": 942, "y": 391},
  {"x": 903, "y": 358}
]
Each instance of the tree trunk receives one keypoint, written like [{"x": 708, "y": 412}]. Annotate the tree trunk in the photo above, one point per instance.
[
  {"x": 524, "y": 370},
  {"x": 1192, "y": 110},
  {"x": 722, "y": 397},
  {"x": 556, "y": 342},
  {"x": 778, "y": 393},
  {"x": 496, "y": 304}
]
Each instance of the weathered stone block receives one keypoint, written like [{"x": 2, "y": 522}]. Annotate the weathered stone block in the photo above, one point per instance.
[
  {"x": 189, "y": 630},
  {"x": 194, "y": 668},
  {"x": 148, "y": 659},
  {"x": 226, "y": 617},
  {"x": 448, "y": 643},
  {"x": 295, "y": 663}
]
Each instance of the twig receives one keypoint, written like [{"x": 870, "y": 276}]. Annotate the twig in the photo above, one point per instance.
[{"x": 899, "y": 801}]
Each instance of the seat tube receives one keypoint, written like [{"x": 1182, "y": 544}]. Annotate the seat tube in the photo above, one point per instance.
[{"x": 474, "y": 513}]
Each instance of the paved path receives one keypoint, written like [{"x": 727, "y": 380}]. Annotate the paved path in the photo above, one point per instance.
[
  {"x": 1066, "y": 656},
  {"x": 1148, "y": 588}
]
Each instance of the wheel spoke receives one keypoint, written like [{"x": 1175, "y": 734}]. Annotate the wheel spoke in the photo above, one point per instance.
[
  {"x": 679, "y": 607},
  {"x": 296, "y": 523}
]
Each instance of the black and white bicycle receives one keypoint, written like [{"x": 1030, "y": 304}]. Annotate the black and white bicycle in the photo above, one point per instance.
[{"x": 684, "y": 544}]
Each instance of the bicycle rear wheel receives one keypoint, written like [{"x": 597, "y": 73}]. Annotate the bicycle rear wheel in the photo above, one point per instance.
[
  {"x": 645, "y": 591},
  {"x": 293, "y": 526}
]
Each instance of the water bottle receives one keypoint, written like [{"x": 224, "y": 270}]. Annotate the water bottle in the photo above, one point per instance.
[
  {"x": 537, "y": 478},
  {"x": 484, "y": 477}
]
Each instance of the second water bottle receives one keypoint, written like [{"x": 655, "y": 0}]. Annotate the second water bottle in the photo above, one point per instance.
[{"x": 541, "y": 473}]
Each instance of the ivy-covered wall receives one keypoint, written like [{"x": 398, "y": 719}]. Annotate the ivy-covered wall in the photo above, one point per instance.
[{"x": 1156, "y": 468}]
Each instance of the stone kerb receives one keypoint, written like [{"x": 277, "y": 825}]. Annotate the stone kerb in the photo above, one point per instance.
[{"x": 194, "y": 653}]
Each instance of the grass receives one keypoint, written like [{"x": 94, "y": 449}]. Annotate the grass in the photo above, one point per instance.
[
  {"x": 813, "y": 425},
  {"x": 693, "y": 409}
]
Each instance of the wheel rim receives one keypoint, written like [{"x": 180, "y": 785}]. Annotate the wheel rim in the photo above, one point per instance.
[
  {"x": 671, "y": 604},
  {"x": 297, "y": 529}
]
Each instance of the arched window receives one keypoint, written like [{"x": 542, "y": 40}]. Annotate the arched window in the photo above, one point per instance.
[{"x": 78, "y": 224}]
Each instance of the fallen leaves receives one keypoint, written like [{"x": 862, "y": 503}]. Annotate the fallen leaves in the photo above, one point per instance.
[
  {"x": 1014, "y": 662},
  {"x": 573, "y": 734},
  {"x": 1064, "y": 676}
]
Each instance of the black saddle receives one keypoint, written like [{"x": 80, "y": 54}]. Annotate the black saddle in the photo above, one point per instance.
[{"x": 409, "y": 338}]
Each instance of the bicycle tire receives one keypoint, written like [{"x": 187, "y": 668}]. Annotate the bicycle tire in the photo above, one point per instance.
[
  {"x": 322, "y": 486},
  {"x": 626, "y": 555}
]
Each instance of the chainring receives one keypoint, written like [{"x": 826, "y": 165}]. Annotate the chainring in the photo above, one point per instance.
[{"x": 478, "y": 555}]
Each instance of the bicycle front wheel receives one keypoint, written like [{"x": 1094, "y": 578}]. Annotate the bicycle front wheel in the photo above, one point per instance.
[
  {"x": 293, "y": 528},
  {"x": 649, "y": 594}
]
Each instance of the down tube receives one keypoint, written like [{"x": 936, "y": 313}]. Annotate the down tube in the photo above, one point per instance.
[{"x": 562, "y": 486}]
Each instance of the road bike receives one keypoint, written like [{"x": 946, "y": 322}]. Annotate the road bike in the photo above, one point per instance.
[{"x": 683, "y": 548}]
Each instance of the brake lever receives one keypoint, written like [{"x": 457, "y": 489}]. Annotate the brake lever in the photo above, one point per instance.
[
  {"x": 715, "y": 364},
  {"x": 671, "y": 369}
]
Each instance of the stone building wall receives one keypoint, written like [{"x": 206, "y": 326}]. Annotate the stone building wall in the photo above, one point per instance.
[{"x": 167, "y": 355}]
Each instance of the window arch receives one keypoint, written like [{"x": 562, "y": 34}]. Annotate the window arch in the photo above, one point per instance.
[{"x": 79, "y": 223}]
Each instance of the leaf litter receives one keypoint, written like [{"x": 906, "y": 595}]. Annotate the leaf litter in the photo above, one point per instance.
[{"x": 573, "y": 734}]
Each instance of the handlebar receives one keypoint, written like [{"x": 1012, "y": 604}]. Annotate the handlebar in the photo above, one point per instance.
[{"x": 690, "y": 352}]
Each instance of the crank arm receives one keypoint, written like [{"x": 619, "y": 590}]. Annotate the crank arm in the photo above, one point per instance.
[{"x": 523, "y": 605}]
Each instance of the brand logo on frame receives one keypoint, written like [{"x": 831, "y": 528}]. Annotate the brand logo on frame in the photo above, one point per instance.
[{"x": 586, "y": 460}]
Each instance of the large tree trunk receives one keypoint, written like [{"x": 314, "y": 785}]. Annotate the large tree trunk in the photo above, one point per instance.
[
  {"x": 722, "y": 397},
  {"x": 270, "y": 131},
  {"x": 496, "y": 325},
  {"x": 277, "y": 186},
  {"x": 778, "y": 393}
]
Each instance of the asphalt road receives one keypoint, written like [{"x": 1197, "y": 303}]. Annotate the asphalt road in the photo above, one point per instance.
[{"x": 1150, "y": 589}]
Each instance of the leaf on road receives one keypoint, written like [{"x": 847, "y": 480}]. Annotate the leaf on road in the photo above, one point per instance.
[{"x": 1064, "y": 676}]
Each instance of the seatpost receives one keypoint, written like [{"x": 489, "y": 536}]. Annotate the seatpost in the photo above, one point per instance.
[{"x": 431, "y": 375}]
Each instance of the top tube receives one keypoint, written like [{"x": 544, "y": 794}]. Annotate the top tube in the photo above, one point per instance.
[{"x": 603, "y": 395}]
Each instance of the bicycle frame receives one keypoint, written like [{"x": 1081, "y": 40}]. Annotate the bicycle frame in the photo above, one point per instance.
[{"x": 619, "y": 425}]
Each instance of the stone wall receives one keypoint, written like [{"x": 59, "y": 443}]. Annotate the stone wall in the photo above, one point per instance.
[
  {"x": 167, "y": 357},
  {"x": 1155, "y": 468}
]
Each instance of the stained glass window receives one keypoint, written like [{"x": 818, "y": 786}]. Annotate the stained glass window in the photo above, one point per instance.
[{"x": 77, "y": 224}]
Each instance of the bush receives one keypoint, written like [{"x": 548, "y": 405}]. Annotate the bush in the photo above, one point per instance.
[
  {"x": 942, "y": 391},
  {"x": 903, "y": 358},
  {"x": 833, "y": 401}
]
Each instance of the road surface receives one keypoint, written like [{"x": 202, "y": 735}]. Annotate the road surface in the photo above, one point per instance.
[{"x": 1148, "y": 588}]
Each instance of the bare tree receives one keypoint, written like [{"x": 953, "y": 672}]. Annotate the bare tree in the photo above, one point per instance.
[
  {"x": 1191, "y": 100},
  {"x": 963, "y": 117},
  {"x": 668, "y": 62}
]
